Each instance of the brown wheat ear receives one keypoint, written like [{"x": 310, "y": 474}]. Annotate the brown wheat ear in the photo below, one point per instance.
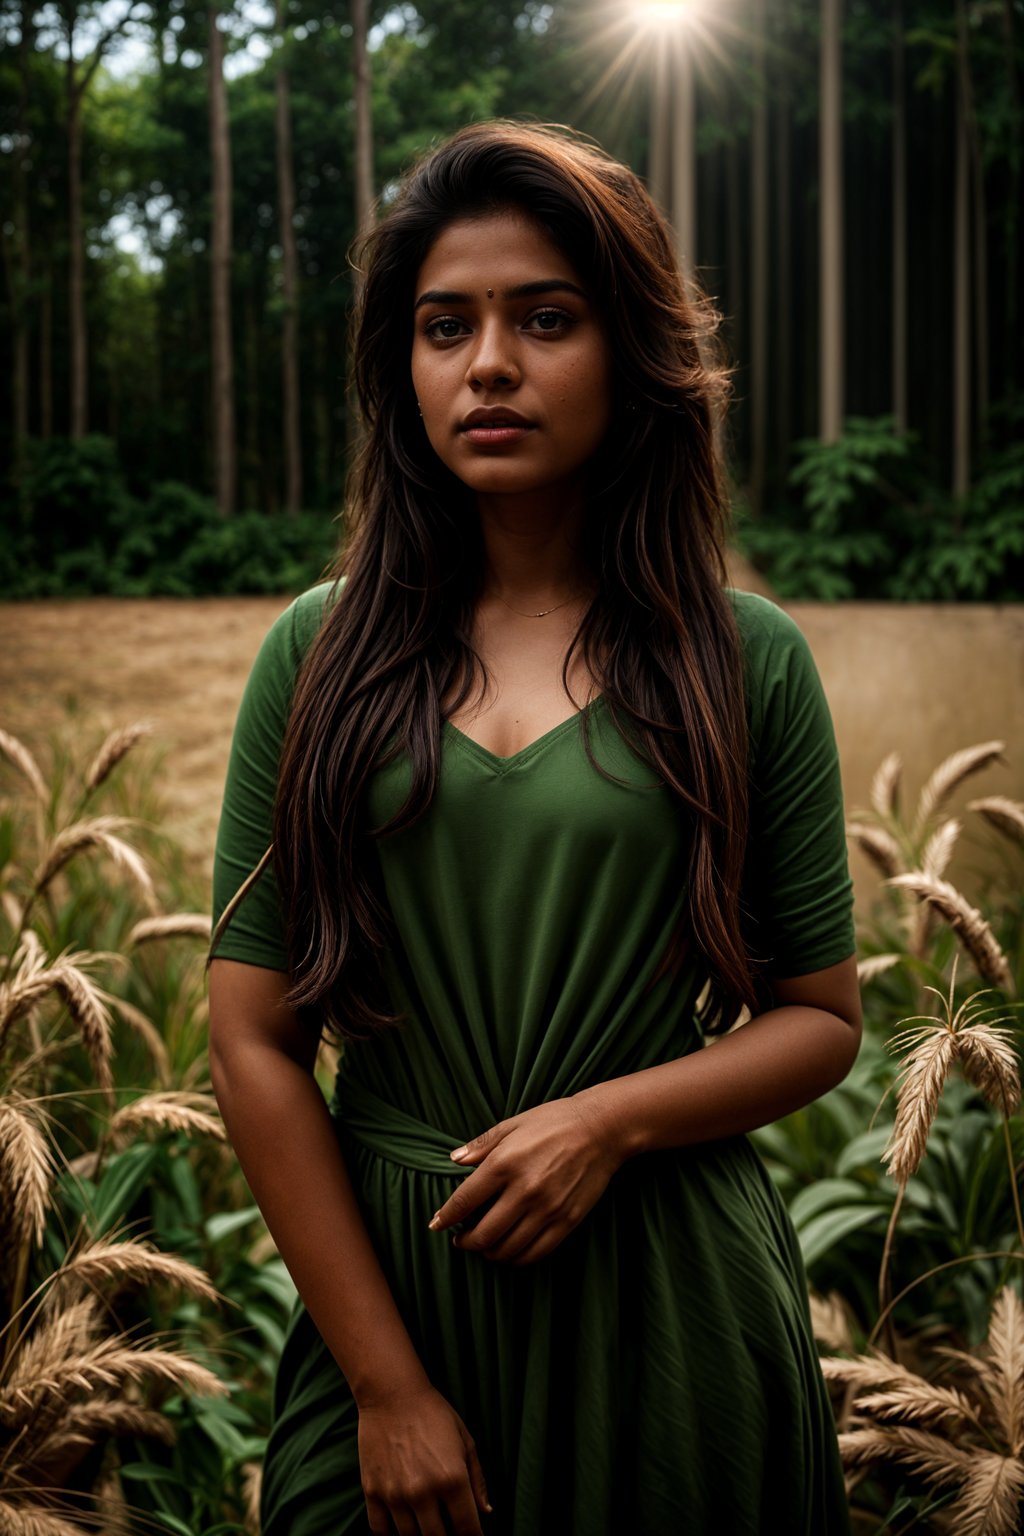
[
  {"x": 951, "y": 773},
  {"x": 966, "y": 921},
  {"x": 17, "y": 753},
  {"x": 879, "y": 845},
  {"x": 193, "y": 925},
  {"x": 26, "y": 1173},
  {"x": 885, "y": 786},
  {"x": 1007, "y": 816},
  {"x": 117, "y": 745}
]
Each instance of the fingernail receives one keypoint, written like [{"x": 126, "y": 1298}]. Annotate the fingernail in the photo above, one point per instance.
[
  {"x": 489, "y": 1508},
  {"x": 434, "y": 1222},
  {"x": 459, "y": 1152}
]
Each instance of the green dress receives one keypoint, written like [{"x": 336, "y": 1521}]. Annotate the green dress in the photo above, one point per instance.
[{"x": 656, "y": 1373}]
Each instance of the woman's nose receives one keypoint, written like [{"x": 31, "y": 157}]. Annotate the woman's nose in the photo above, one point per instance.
[{"x": 493, "y": 360}]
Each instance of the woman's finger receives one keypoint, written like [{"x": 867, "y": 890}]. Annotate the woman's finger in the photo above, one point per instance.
[
  {"x": 378, "y": 1517},
  {"x": 405, "y": 1521},
  {"x": 481, "y": 1185},
  {"x": 429, "y": 1518},
  {"x": 478, "y": 1482},
  {"x": 464, "y": 1513},
  {"x": 543, "y": 1244},
  {"x": 505, "y": 1241}
]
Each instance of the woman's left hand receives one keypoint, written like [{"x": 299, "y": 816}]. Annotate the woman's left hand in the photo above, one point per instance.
[{"x": 547, "y": 1166}]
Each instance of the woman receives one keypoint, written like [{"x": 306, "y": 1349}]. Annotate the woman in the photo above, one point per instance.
[{"x": 549, "y": 806}]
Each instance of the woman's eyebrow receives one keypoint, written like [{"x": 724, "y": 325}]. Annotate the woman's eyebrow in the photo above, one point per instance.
[{"x": 521, "y": 291}]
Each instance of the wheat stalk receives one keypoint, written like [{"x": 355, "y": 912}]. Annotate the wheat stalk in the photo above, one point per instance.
[
  {"x": 989, "y": 1063},
  {"x": 167, "y": 1109},
  {"x": 52, "y": 1339},
  {"x": 147, "y": 1030},
  {"x": 924, "y": 1076},
  {"x": 938, "y": 1460},
  {"x": 951, "y": 773},
  {"x": 1001, "y": 1375},
  {"x": 81, "y": 1426},
  {"x": 966, "y": 921},
  {"x": 33, "y": 1520},
  {"x": 885, "y": 786},
  {"x": 1007, "y": 816},
  {"x": 252, "y": 1480},
  {"x": 117, "y": 745},
  {"x": 108, "y": 1364},
  {"x": 879, "y": 845},
  {"x": 194, "y": 925},
  {"x": 17, "y": 753},
  {"x": 829, "y": 1321},
  {"x": 990, "y": 1502},
  {"x": 99, "y": 832},
  {"x": 938, "y": 850},
  {"x": 86, "y": 1006},
  {"x": 26, "y": 1172},
  {"x": 919, "y": 1402},
  {"x": 875, "y": 965},
  {"x": 134, "y": 1263}
]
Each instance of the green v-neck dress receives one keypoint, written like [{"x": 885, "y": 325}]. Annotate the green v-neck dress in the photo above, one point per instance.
[{"x": 655, "y": 1374}]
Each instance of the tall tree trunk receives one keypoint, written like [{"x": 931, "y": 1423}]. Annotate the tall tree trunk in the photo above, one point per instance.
[
  {"x": 684, "y": 160},
  {"x": 364, "y": 123},
  {"x": 1011, "y": 221},
  {"x": 783, "y": 333},
  {"x": 79, "y": 413},
  {"x": 961, "y": 293},
  {"x": 831, "y": 230},
  {"x": 980, "y": 276},
  {"x": 759, "y": 266},
  {"x": 46, "y": 354},
  {"x": 20, "y": 307},
  {"x": 899, "y": 221},
  {"x": 220, "y": 278},
  {"x": 290, "y": 274}
]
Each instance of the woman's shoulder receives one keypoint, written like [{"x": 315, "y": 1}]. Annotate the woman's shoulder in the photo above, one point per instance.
[
  {"x": 762, "y": 624},
  {"x": 780, "y": 670},
  {"x": 294, "y": 630}
]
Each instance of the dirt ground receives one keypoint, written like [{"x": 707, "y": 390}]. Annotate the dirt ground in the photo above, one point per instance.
[{"x": 180, "y": 664}]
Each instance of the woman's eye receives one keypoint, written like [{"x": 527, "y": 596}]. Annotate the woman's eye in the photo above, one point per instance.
[
  {"x": 551, "y": 321},
  {"x": 444, "y": 328}
]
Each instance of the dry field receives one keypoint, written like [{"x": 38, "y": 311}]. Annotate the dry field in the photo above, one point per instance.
[{"x": 181, "y": 664}]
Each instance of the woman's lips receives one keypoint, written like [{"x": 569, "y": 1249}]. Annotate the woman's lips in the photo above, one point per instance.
[{"x": 496, "y": 435}]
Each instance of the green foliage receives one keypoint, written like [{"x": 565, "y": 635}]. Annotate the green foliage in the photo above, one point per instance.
[
  {"x": 90, "y": 536},
  {"x": 869, "y": 524}
]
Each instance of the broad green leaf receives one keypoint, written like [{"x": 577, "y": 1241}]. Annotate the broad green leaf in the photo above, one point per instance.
[
  {"x": 829, "y": 1229},
  {"x": 825, "y": 1195}
]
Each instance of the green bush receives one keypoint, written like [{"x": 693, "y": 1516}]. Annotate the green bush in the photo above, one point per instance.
[
  {"x": 88, "y": 536},
  {"x": 866, "y": 521}
]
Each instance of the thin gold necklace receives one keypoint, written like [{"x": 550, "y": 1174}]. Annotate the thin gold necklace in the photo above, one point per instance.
[{"x": 543, "y": 612}]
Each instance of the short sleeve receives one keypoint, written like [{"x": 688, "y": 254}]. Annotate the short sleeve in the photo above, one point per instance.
[
  {"x": 255, "y": 932},
  {"x": 798, "y": 895}
]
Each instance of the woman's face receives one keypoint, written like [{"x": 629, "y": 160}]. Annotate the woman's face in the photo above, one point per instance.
[{"x": 510, "y": 360}]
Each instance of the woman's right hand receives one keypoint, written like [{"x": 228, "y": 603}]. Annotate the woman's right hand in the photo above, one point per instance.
[{"x": 418, "y": 1465}]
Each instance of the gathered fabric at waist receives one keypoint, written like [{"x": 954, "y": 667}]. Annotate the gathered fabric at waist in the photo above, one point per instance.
[{"x": 390, "y": 1132}]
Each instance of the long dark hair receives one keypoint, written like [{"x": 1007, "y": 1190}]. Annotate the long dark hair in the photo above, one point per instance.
[{"x": 659, "y": 638}]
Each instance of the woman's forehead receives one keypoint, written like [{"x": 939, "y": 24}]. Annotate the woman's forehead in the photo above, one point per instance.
[{"x": 494, "y": 250}]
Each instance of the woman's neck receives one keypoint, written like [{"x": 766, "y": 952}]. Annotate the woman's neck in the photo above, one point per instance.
[{"x": 533, "y": 545}]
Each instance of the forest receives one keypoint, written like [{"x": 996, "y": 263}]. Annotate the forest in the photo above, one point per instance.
[{"x": 180, "y": 186}]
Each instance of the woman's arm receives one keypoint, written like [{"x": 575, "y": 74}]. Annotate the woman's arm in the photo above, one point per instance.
[
  {"x": 550, "y": 1164},
  {"x": 414, "y": 1449},
  {"x": 778, "y": 1062}
]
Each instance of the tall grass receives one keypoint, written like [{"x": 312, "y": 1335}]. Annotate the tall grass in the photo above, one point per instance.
[
  {"x": 923, "y": 1317},
  {"x": 129, "y": 1402}
]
